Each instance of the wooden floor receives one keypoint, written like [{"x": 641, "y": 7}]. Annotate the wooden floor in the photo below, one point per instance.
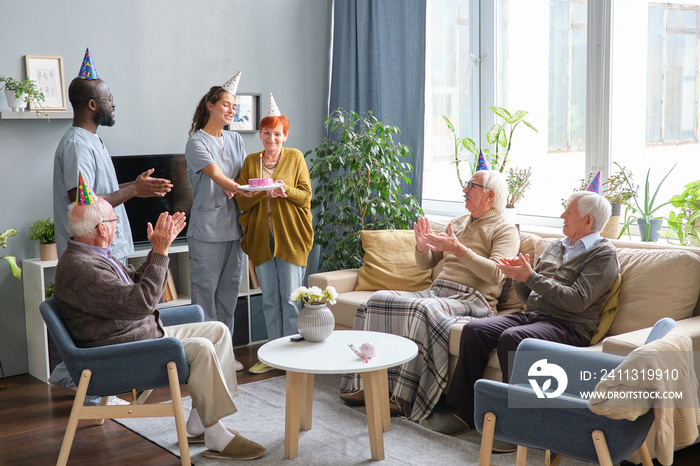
[{"x": 33, "y": 417}]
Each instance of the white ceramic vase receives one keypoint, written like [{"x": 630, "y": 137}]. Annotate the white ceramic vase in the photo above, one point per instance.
[
  {"x": 17, "y": 105},
  {"x": 315, "y": 322}
]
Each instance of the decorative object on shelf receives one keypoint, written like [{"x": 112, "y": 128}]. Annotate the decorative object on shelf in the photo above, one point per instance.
[
  {"x": 19, "y": 93},
  {"x": 247, "y": 117},
  {"x": 643, "y": 209},
  {"x": 501, "y": 135},
  {"x": 315, "y": 321},
  {"x": 47, "y": 73},
  {"x": 44, "y": 232},
  {"x": 359, "y": 169},
  {"x": 12, "y": 260},
  {"x": 686, "y": 222}
]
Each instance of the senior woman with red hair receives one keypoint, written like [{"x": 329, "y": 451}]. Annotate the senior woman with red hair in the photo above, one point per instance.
[{"x": 277, "y": 230}]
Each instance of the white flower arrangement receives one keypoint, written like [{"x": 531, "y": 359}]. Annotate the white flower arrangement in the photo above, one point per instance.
[{"x": 314, "y": 295}]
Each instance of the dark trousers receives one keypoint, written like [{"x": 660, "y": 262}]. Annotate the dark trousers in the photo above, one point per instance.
[{"x": 504, "y": 332}]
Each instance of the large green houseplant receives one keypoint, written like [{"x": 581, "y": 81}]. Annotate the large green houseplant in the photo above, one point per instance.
[
  {"x": 359, "y": 169},
  {"x": 12, "y": 260},
  {"x": 683, "y": 222},
  {"x": 500, "y": 136}
]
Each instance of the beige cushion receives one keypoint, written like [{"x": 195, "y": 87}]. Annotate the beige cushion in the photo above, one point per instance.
[
  {"x": 609, "y": 311},
  {"x": 533, "y": 245},
  {"x": 656, "y": 283},
  {"x": 389, "y": 262}
]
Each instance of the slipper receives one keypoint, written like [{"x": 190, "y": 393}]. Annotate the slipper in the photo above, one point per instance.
[
  {"x": 192, "y": 439},
  {"x": 240, "y": 448}
]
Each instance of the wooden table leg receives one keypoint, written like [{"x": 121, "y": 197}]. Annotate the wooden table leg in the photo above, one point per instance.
[
  {"x": 373, "y": 405},
  {"x": 292, "y": 416},
  {"x": 307, "y": 401},
  {"x": 384, "y": 397}
]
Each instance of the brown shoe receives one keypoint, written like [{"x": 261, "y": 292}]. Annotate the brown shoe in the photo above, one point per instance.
[
  {"x": 240, "y": 448},
  {"x": 354, "y": 398}
]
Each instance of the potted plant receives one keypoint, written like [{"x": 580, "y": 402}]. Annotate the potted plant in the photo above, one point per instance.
[
  {"x": 684, "y": 223},
  {"x": 359, "y": 174},
  {"x": 642, "y": 210},
  {"x": 21, "y": 92},
  {"x": 12, "y": 260},
  {"x": 501, "y": 136},
  {"x": 44, "y": 232}
]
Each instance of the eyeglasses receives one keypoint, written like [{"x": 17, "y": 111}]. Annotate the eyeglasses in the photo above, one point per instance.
[
  {"x": 471, "y": 185},
  {"x": 110, "y": 98},
  {"x": 115, "y": 219}
]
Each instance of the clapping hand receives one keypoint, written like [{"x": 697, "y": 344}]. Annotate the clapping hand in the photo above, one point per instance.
[
  {"x": 166, "y": 230},
  {"x": 421, "y": 228},
  {"x": 145, "y": 186},
  {"x": 518, "y": 268}
]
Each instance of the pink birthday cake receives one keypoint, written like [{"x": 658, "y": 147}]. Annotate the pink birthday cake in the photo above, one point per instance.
[{"x": 259, "y": 182}]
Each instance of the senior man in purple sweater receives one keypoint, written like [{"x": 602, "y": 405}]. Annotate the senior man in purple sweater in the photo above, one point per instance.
[{"x": 103, "y": 303}]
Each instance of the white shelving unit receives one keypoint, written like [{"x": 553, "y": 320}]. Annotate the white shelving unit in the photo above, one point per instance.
[{"x": 37, "y": 273}]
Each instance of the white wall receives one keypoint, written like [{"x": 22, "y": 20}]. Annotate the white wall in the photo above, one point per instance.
[{"x": 158, "y": 57}]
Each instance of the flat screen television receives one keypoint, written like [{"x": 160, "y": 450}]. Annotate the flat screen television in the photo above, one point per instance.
[{"x": 143, "y": 210}]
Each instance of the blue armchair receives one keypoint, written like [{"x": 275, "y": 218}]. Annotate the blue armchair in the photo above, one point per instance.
[
  {"x": 115, "y": 369},
  {"x": 562, "y": 424}
]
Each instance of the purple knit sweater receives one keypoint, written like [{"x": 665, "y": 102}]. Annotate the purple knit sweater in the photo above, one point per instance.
[{"x": 99, "y": 308}]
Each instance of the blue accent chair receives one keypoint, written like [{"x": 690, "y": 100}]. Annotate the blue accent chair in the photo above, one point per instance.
[
  {"x": 136, "y": 367},
  {"x": 563, "y": 424}
]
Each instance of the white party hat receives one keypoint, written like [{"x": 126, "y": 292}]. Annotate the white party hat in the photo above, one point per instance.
[
  {"x": 232, "y": 84},
  {"x": 272, "y": 108}
]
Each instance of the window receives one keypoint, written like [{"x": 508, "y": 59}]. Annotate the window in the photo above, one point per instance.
[
  {"x": 567, "y": 74},
  {"x": 672, "y": 76},
  {"x": 534, "y": 56}
]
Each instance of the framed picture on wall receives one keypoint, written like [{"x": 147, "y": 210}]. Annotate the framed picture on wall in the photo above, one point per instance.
[
  {"x": 47, "y": 74},
  {"x": 247, "y": 118}
]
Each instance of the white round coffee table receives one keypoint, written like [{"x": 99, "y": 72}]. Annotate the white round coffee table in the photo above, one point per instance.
[{"x": 303, "y": 359}]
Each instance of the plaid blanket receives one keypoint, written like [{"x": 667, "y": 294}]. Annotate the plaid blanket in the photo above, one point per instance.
[{"x": 424, "y": 317}]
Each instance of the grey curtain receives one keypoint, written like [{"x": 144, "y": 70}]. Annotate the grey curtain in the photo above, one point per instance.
[{"x": 379, "y": 65}]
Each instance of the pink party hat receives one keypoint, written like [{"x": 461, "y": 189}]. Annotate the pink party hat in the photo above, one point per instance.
[
  {"x": 86, "y": 195},
  {"x": 231, "y": 85},
  {"x": 87, "y": 69},
  {"x": 482, "y": 164},
  {"x": 595, "y": 184},
  {"x": 272, "y": 108}
]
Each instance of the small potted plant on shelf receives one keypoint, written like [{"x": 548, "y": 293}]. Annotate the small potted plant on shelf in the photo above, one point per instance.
[
  {"x": 44, "y": 232},
  {"x": 685, "y": 223},
  {"x": 11, "y": 260},
  {"x": 21, "y": 92}
]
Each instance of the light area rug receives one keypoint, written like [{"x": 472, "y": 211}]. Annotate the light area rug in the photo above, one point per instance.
[{"x": 338, "y": 434}]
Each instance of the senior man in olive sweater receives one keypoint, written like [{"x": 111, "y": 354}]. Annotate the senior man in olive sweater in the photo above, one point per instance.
[
  {"x": 103, "y": 303},
  {"x": 564, "y": 295},
  {"x": 467, "y": 288}
]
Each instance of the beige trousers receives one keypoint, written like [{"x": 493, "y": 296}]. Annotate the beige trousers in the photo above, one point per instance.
[{"x": 212, "y": 382}]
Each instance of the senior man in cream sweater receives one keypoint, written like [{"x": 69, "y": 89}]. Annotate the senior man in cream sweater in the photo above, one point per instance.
[{"x": 467, "y": 288}]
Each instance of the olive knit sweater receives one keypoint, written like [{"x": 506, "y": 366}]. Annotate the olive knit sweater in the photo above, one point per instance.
[{"x": 291, "y": 216}]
